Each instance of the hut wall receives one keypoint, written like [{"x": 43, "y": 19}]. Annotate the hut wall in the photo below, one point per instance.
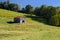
[{"x": 16, "y": 20}]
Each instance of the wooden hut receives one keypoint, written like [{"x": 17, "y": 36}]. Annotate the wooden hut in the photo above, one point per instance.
[{"x": 19, "y": 19}]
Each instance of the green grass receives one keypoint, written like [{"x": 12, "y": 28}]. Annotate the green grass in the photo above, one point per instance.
[{"x": 31, "y": 30}]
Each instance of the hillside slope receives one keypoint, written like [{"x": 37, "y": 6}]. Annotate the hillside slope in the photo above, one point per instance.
[{"x": 31, "y": 30}]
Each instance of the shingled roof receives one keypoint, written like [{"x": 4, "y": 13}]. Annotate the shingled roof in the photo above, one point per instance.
[{"x": 18, "y": 17}]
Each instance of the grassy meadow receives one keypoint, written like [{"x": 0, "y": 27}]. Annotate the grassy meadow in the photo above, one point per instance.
[{"x": 30, "y": 30}]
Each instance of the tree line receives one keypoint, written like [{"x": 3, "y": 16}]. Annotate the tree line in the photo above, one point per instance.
[
  {"x": 9, "y": 6},
  {"x": 49, "y": 13}
]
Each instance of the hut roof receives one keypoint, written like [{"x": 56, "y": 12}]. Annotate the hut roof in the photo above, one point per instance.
[{"x": 18, "y": 17}]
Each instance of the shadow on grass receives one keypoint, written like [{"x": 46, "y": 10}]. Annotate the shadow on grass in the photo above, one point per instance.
[
  {"x": 41, "y": 20},
  {"x": 37, "y": 18},
  {"x": 11, "y": 22},
  {"x": 7, "y": 35}
]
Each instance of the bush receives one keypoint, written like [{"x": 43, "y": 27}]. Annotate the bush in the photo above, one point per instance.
[{"x": 55, "y": 20}]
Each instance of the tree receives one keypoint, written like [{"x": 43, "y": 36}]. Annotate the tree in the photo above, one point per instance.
[
  {"x": 45, "y": 12},
  {"x": 51, "y": 11},
  {"x": 0, "y": 4},
  {"x": 29, "y": 9},
  {"x": 37, "y": 11},
  {"x": 40, "y": 11},
  {"x": 22, "y": 10},
  {"x": 9, "y": 6},
  {"x": 8, "y": 2},
  {"x": 55, "y": 20},
  {"x": 14, "y": 7},
  {"x": 4, "y": 5}
]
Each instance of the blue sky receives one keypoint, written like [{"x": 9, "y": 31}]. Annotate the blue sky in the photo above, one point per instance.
[{"x": 36, "y": 3}]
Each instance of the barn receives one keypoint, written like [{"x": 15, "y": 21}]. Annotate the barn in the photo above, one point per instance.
[{"x": 19, "y": 19}]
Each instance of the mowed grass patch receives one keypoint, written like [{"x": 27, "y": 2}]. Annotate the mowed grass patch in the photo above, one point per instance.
[
  {"x": 30, "y": 30},
  {"x": 26, "y": 35}
]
